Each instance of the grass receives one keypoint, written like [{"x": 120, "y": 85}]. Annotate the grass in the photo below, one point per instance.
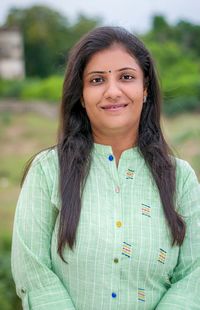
[
  {"x": 183, "y": 134},
  {"x": 24, "y": 135},
  {"x": 21, "y": 137}
]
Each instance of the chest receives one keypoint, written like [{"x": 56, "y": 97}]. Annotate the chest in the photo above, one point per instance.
[{"x": 122, "y": 218}]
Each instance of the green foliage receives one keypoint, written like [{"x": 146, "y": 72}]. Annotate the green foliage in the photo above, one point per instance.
[
  {"x": 44, "y": 31},
  {"x": 184, "y": 33},
  {"x": 180, "y": 105},
  {"x": 11, "y": 88},
  {"x": 48, "y": 36},
  {"x": 48, "y": 89},
  {"x": 8, "y": 297},
  {"x": 178, "y": 65}
]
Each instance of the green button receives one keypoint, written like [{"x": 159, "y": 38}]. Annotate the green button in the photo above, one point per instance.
[{"x": 116, "y": 260}]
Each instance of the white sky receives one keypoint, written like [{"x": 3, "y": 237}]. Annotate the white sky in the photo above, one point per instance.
[{"x": 134, "y": 15}]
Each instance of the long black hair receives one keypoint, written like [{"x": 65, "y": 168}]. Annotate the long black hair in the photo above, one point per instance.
[{"x": 75, "y": 140}]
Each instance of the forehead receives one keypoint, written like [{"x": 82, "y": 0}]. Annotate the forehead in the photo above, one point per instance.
[{"x": 112, "y": 58}]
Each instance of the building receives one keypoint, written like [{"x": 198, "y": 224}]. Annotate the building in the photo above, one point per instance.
[{"x": 11, "y": 54}]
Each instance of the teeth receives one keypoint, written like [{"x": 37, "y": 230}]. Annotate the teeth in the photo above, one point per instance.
[{"x": 115, "y": 106}]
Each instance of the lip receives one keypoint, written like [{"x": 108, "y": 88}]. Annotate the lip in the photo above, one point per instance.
[{"x": 114, "y": 107}]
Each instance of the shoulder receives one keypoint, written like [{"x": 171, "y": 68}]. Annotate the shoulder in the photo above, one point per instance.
[
  {"x": 44, "y": 170},
  {"x": 45, "y": 163},
  {"x": 184, "y": 171},
  {"x": 47, "y": 158}
]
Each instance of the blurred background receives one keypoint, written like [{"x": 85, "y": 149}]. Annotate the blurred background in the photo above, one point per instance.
[{"x": 35, "y": 39}]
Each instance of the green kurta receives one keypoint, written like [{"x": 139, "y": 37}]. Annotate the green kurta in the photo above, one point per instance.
[{"x": 123, "y": 258}]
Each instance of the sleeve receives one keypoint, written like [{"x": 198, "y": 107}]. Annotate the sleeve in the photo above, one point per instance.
[
  {"x": 36, "y": 284},
  {"x": 184, "y": 292}
]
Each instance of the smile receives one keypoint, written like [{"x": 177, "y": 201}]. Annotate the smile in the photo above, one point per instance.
[{"x": 114, "y": 107}]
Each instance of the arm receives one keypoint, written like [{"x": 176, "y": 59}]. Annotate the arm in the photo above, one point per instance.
[
  {"x": 185, "y": 289},
  {"x": 37, "y": 285}
]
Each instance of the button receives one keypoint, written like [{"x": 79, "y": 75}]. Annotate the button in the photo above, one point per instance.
[
  {"x": 118, "y": 223},
  {"x": 110, "y": 157},
  {"x": 23, "y": 291},
  {"x": 114, "y": 295},
  {"x": 116, "y": 260},
  {"x": 117, "y": 189}
]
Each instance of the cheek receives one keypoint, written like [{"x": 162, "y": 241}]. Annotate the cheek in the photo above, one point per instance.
[
  {"x": 91, "y": 94},
  {"x": 135, "y": 92}
]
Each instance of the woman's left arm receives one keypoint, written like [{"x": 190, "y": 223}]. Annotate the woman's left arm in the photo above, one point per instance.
[{"x": 184, "y": 292}]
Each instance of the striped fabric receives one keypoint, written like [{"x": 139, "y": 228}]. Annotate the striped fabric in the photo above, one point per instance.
[{"x": 123, "y": 258}]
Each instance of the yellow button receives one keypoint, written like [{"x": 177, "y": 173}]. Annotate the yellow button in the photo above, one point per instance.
[{"x": 119, "y": 223}]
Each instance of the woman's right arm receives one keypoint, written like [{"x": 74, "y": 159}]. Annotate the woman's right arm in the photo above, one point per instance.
[{"x": 37, "y": 285}]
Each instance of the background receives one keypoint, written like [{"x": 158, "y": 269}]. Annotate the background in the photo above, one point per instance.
[{"x": 35, "y": 40}]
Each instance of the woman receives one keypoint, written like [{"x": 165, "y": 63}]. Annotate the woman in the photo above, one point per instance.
[{"x": 108, "y": 219}]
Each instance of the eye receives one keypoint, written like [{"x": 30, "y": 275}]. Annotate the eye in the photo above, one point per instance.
[
  {"x": 96, "y": 80},
  {"x": 127, "y": 77}
]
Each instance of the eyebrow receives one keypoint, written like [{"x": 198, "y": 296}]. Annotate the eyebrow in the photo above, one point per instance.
[{"x": 103, "y": 72}]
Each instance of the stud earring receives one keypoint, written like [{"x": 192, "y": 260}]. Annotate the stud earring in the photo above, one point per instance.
[
  {"x": 82, "y": 103},
  {"x": 145, "y": 99}
]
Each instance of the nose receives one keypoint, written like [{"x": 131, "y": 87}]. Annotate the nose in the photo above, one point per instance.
[{"x": 113, "y": 90}]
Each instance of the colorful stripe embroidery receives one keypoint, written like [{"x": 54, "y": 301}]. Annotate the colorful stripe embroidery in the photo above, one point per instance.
[
  {"x": 162, "y": 256},
  {"x": 130, "y": 174},
  {"x": 146, "y": 210},
  {"x": 126, "y": 249},
  {"x": 141, "y": 294}
]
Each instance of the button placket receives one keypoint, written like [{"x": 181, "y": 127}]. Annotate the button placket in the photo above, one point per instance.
[{"x": 118, "y": 227}]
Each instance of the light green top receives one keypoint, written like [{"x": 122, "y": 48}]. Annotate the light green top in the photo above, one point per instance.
[{"x": 123, "y": 258}]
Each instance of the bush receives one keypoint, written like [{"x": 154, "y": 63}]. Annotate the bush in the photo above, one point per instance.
[
  {"x": 181, "y": 104},
  {"x": 49, "y": 89},
  {"x": 11, "y": 88},
  {"x": 8, "y": 298}
]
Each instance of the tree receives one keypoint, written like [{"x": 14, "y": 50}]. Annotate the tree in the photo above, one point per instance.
[
  {"x": 187, "y": 35},
  {"x": 48, "y": 36}
]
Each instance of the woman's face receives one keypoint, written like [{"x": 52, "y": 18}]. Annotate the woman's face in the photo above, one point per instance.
[{"x": 113, "y": 92}]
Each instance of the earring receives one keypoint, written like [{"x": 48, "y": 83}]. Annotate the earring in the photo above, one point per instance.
[
  {"x": 82, "y": 103},
  {"x": 145, "y": 99}
]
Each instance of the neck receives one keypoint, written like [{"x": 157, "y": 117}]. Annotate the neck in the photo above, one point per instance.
[{"x": 119, "y": 143}]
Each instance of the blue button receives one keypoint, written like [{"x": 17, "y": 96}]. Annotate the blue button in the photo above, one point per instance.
[
  {"x": 110, "y": 157},
  {"x": 114, "y": 295}
]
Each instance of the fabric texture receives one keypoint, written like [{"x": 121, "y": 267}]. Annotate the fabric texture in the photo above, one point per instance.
[{"x": 123, "y": 258}]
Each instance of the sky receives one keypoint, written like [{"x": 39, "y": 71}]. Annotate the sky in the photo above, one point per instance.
[{"x": 134, "y": 15}]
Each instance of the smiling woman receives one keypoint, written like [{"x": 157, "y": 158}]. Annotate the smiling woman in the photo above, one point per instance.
[{"x": 108, "y": 218}]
